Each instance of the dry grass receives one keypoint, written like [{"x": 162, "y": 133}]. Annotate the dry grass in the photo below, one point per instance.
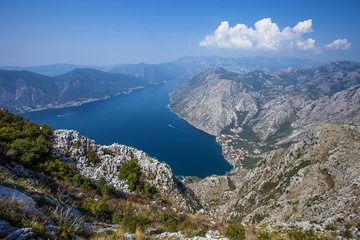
[{"x": 139, "y": 235}]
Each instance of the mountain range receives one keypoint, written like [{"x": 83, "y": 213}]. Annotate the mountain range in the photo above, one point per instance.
[
  {"x": 255, "y": 112},
  {"x": 292, "y": 136},
  {"x": 60, "y": 85},
  {"x": 184, "y": 66},
  {"x": 27, "y": 91}
]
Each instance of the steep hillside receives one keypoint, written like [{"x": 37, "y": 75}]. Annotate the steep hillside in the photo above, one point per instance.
[
  {"x": 315, "y": 180},
  {"x": 61, "y": 185},
  {"x": 256, "y": 112},
  {"x": 95, "y": 161},
  {"x": 26, "y": 91}
]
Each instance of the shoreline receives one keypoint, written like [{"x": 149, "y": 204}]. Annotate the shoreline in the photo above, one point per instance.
[
  {"x": 233, "y": 165},
  {"x": 77, "y": 103}
]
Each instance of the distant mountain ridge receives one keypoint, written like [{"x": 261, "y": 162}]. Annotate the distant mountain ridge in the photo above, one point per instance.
[
  {"x": 61, "y": 85},
  {"x": 258, "y": 111},
  {"x": 51, "y": 70},
  {"x": 27, "y": 91},
  {"x": 182, "y": 67}
]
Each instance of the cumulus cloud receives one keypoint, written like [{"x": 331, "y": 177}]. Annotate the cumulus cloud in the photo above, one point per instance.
[
  {"x": 265, "y": 35},
  {"x": 341, "y": 44}
]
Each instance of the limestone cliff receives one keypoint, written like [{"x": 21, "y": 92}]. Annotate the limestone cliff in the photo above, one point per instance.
[
  {"x": 72, "y": 147},
  {"x": 316, "y": 179}
]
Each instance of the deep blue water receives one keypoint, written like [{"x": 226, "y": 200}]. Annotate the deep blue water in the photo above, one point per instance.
[{"x": 142, "y": 119}]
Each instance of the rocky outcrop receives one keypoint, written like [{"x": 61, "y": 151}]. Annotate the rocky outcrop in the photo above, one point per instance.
[
  {"x": 16, "y": 196},
  {"x": 73, "y": 148},
  {"x": 12, "y": 233},
  {"x": 316, "y": 179},
  {"x": 253, "y": 113}
]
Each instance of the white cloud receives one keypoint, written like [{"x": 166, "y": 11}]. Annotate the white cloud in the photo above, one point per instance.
[
  {"x": 265, "y": 36},
  {"x": 341, "y": 44}
]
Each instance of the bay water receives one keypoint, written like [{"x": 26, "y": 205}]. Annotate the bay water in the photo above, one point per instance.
[{"x": 143, "y": 120}]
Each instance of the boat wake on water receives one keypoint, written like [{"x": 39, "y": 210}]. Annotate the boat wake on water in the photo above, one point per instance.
[{"x": 63, "y": 115}]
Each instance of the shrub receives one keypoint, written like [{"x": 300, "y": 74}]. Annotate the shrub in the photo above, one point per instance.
[
  {"x": 77, "y": 145},
  {"x": 348, "y": 234},
  {"x": 131, "y": 222},
  {"x": 149, "y": 190},
  {"x": 235, "y": 231},
  {"x": 64, "y": 171},
  {"x": 130, "y": 171},
  {"x": 30, "y": 152},
  {"x": 299, "y": 235},
  {"x": 189, "y": 228},
  {"x": 30, "y": 142},
  {"x": 108, "y": 151},
  {"x": 168, "y": 221},
  {"x": 116, "y": 219},
  {"x": 104, "y": 188},
  {"x": 97, "y": 208},
  {"x": 91, "y": 155},
  {"x": 330, "y": 227}
]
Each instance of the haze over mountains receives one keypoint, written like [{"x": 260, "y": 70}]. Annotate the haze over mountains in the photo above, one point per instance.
[
  {"x": 185, "y": 65},
  {"x": 65, "y": 85}
]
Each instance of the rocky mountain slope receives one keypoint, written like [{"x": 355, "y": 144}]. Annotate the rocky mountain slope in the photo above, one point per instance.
[
  {"x": 316, "y": 180},
  {"x": 61, "y": 185},
  {"x": 258, "y": 111},
  {"x": 73, "y": 148}
]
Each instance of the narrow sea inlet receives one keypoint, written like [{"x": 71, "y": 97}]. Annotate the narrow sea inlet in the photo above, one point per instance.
[{"x": 142, "y": 119}]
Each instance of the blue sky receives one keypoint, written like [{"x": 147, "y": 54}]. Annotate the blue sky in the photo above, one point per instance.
[{"x": 37, "y": 32}]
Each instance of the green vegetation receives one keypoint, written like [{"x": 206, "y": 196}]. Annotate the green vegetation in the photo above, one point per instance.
[
  {"x": 250, "y": 162},
  {"x": 103, "y": 188},
  {"x": 77, "y": 145},
  {"x": 284, "y": 130},
  {"x": 108, "y": 151},
  {"x": 130, "y": 171},
  {"x": 91, "y": 155},
  {"x": 268, "y": 187},
  {"x": 235, "y": 231},
  {"x": 64, "y": 171},
  {"x": 232, "y": 186},
  {"x": 23, "y": 140},
  {"x": 300, "y": 235},
  {"x": 169, "y": 221},
  {"x": 28, "y": 143}
]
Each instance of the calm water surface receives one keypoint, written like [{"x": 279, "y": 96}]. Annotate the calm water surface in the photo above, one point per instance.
[{"x": 142, "y": 119}]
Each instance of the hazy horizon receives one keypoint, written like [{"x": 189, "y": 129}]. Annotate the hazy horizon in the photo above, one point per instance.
[{"x": 98, "y": 33}]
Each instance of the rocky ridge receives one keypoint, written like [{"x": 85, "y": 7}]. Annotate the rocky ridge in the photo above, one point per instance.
[
  {"x": 256, "y": 112},
  {"x": 72, "y": 148},
  {"x": 315, "y": 180}
]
